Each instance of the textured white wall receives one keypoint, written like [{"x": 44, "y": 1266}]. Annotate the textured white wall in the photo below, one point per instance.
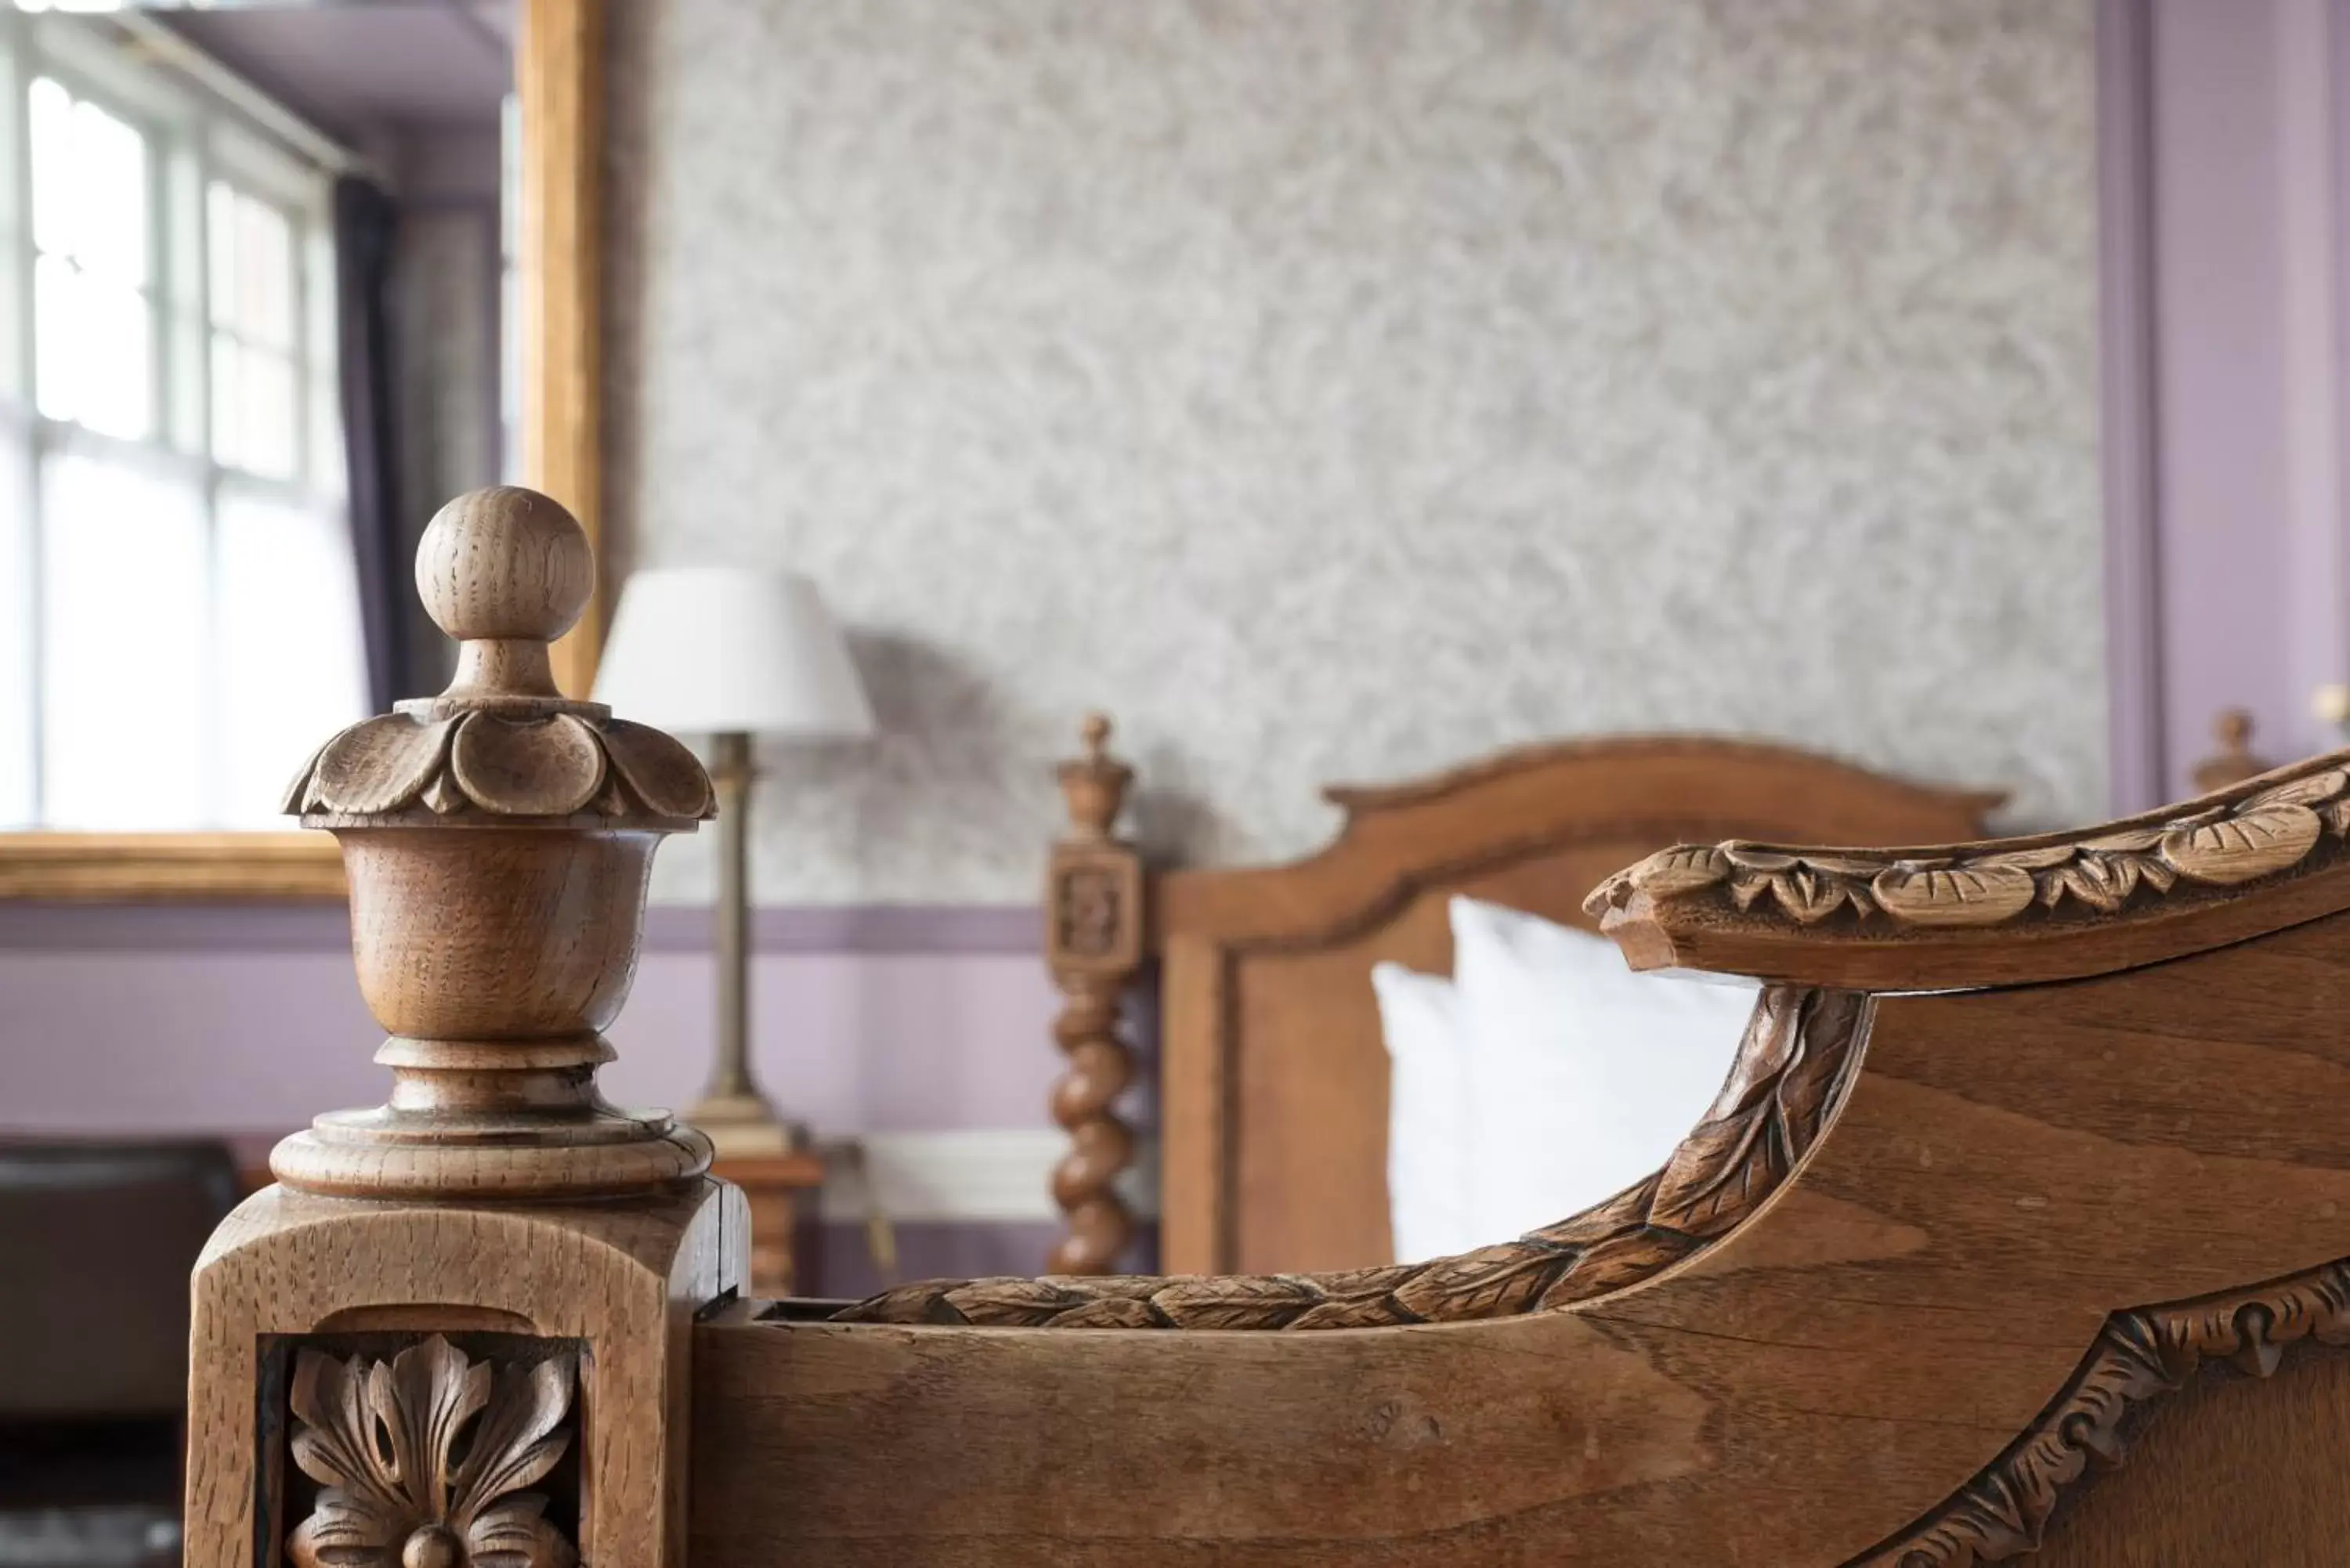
[{"x": 1340, "y": 389}]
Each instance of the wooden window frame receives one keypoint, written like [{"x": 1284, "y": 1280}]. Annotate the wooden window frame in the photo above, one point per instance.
[{"x": 558, "y": 89}]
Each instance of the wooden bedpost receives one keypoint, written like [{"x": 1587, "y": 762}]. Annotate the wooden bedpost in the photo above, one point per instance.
[
  {"x": 1093, "y": 944},
  {"x": 456, "y": 1332}
]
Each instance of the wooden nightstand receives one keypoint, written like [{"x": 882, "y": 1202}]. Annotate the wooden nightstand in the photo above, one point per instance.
[{"x": 774, "y": 1183}]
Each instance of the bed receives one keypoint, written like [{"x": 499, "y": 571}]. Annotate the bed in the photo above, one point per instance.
[
  {"x": 2021, "y": 1224},
  {"x": 1273, "y": 1080}
]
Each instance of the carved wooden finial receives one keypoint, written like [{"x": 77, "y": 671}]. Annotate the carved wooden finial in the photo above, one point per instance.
[
  {"x": 1094, "y": 786},
  {"x": 2234, "y": 760},
  {"x": 497, "y": 839}
]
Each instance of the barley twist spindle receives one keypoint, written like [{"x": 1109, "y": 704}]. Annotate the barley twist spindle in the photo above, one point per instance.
[{"x": 1093, "y": 943}]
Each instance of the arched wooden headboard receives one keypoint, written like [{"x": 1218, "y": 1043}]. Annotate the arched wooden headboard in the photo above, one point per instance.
[{"x": 1274, "y": 1081}]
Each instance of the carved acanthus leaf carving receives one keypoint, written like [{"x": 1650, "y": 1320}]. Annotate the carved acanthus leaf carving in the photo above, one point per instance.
[
  {"x": 1797, "y": 1054},
  {"x": 2141, "y": 1356},
  {"x": 425, "y": 1460},
  {"x": 2259, "y": 834}
]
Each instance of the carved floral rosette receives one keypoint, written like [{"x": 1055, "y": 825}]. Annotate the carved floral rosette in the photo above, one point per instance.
[
  {"x": 425, "y": 1460},
  {"x": 2220, "y": 844},
  {"x": 539, "y": 764}
]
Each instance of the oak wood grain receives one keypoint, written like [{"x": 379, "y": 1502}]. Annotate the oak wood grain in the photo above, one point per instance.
[{"x": 2010, "y": 1168}]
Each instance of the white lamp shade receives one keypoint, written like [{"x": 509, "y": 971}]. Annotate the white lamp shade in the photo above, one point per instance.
[{"x": 712, "y": 650}]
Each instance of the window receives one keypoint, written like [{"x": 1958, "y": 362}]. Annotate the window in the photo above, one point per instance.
[{"x": 179, "y": 613}]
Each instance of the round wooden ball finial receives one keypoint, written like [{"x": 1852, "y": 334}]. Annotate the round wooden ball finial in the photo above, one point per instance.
[{"x": 506, "y": 571}]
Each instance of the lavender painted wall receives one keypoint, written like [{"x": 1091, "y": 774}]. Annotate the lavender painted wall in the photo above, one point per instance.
[
  {"x": 247, "y": 1018},
  {"x": 2223, "y": 162}
]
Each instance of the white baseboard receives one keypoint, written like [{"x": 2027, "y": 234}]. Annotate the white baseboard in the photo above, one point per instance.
[{"x": 982, "y": 1175}]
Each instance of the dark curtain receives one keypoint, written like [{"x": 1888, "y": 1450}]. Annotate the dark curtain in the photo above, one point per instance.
[{"x": 365, "y": 223}]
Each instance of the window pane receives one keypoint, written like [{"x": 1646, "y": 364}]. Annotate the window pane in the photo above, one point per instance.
[
  {"x": 18, "y": 709},
  {"x": 122, "y": 679},
  {"x": 109, "y": 195},
  {"x": 52, "y": 145},
  {"x": 265, "y": 264},
  {"x": 94, "y": 351},
  {"x": 286, "y": 582},
  {"x": 220, "y": 232},
  {"x": 266, "y": 419},
  {"x": 89, "y": 185},
  {"x": 228, "y": 401}
]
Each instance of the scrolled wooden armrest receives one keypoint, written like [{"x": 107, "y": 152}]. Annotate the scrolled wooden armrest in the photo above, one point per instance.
[{"x": 2254, "y": 858}]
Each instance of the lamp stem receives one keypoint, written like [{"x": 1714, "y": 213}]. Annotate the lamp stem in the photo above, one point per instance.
[{"x": 733, "y": 1111}]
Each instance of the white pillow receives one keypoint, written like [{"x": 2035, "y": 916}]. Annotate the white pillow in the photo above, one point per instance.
[
  {"x": 1428, "y": 1113},
  {"x": 1583, "y": 1074}
]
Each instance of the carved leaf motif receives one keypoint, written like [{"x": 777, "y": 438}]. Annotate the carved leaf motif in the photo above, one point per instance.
[
  {"x": 2131, "y": 839},
  {"x": 1796, "y": 1054},
  {"x": 1210, "y": 1300},
  {"x": 2245, "y": 846},
  {"x": 378, "y": 765},
  {"x": 382, "y": 1440},
  {"x": 1811, "y": 895},
  {"x": 664, "y": 774},
  {"x": 1684, "y": 869},
  {"x": 2104, "y": 882},
  {"x": 1491, "y": 1282},
  {"x": 535, "y": 767},
  {"x": 1981, "y": 893},
  {"x": 2308, "y": 791}
]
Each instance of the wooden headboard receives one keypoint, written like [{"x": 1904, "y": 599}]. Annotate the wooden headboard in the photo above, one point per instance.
[{"x": 1275, "y": 1080}]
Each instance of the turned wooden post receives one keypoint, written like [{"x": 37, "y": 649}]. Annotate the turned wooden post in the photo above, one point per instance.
[
  {"x": 2233, "y": 762},
  {"x": 455, "y": 1332},
  {"x": 1093, "y": 944}
]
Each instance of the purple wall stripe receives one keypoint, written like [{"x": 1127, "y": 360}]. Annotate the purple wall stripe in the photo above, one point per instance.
[
  {"x": 882, "y": 929},
  {"x": 834, "y": 1258},
  {"x": 2129, "y": 368},
  {"x": 1002, "y": 929}
]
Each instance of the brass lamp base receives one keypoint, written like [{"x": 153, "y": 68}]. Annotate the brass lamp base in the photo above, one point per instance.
[{"x": 744, "y": 1124}]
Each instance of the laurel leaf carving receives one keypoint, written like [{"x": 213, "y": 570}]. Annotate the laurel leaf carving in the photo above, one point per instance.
[
  {"x": 2245, "y": 846},
  {"x": 1981, "y": 894},
  {"x": 1798, "y": 1052},
  {"x": 2225, "y": 841}
]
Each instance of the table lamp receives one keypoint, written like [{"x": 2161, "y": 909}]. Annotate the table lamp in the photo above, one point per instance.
[{"x": 730, "y": 652}]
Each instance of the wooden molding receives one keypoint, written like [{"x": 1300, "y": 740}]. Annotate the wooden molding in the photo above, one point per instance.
[
  {"x": 2008, "y": 911},
  {"x": 141, "y": 866},
  {"x": 1792, "y": 1067},
  {"x": 2141, "y": 1356},
  {"x": 559, "y": 90},
  {"x": 468, "y": 1438},
  {"x": 558, "y": 85}
]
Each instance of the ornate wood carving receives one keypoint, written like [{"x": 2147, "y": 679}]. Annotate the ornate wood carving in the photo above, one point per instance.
[
  {"x": 2287, "y": 824},
  {"x": 1798, "y": 1054},
  {"x": 1093, "y": 944},
  {"x": 427, "y": 1459},
  {"x": 497, "y": 839},
  {"x": 2139, "y": 1358}
]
